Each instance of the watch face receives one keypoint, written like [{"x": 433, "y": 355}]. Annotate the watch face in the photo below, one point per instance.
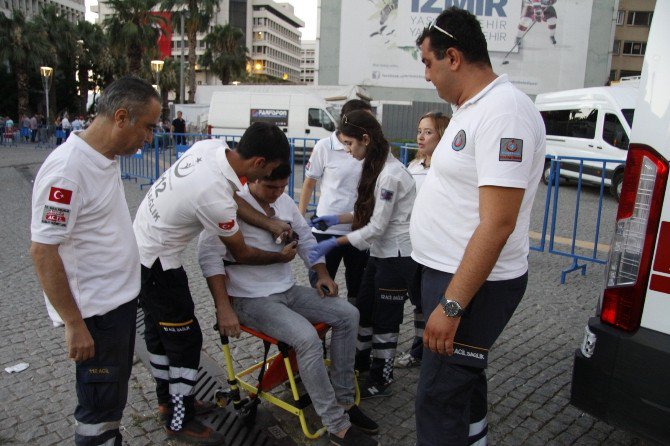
[{"x": 451, "y": 308}]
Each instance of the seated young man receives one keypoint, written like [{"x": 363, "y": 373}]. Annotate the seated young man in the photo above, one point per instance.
[{"x": 266, "y": 298}]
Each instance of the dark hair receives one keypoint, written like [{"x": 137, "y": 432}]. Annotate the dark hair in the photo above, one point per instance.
[
  {"x": 264, "y": 140},
  {"x": 359, "y": 123},
  {"x": 131, "y": 93},
  {"x": 355, "y": 104},
  {"x": 280, "y": 172},
  {"x": 467, "y": 33}
]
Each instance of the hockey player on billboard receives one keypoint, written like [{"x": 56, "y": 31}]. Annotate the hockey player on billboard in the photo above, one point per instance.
[{"x": 535, "y": 11}]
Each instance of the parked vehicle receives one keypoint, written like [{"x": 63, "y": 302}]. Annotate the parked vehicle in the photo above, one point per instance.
[
  {"x": 622, "y": 370},
  {"x": 299, "y": 115},
  {"x": 589, "y": 123}
]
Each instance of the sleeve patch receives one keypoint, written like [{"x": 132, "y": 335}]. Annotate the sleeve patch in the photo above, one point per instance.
[
  {"x": 227, "y": 225},
  {"x": 59, "y": 195},
  {"x": 55, "y": 216},
  {"x": 386, "y": 195},
  {"x": 511, "y": 149}
]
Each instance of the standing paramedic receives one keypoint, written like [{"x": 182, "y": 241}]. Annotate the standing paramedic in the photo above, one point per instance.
[
  {"x": 469, "y": 226},
  {"x": 339, "y": 173},
  {"x": 197, "y": 192},
  {"x": 85, "y": 253}
]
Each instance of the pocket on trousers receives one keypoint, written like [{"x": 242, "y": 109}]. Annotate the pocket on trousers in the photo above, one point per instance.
[{"x": 98, "y": 386}]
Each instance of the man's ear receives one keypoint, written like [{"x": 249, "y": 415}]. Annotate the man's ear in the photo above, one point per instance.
[
  {"x": 259, "y": 162},
  {"x": 121, "y": 117},
  {"x": 454, "y": 58}
]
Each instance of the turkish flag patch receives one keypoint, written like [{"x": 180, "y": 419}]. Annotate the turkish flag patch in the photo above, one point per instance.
[
  {"x": 58, "y": 195},
  {"x": 228, "y": 225}
]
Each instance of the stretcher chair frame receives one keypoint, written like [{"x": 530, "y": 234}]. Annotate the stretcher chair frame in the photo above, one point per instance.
[{"x": 286, "y": 357}]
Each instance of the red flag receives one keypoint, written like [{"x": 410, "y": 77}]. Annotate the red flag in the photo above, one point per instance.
[{"x": 60, "y": 195}]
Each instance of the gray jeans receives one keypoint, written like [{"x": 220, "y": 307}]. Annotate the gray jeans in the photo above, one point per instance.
[{"x": 288, "y": 317}]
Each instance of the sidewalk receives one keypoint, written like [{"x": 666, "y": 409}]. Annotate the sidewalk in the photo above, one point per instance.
[{"x": 529, "y": 374}]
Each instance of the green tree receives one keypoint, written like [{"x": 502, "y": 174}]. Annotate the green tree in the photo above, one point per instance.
[
  {"x": 168, "y": 82},
  {"x": 62, "y": 35},
  {"x": 25, "y": 48},
  {"x": 197, "y": 15},
  {"x": 226, "y": 54},
  {"x": 93, "y": 59},
  {"x": 132, "y": 29}
]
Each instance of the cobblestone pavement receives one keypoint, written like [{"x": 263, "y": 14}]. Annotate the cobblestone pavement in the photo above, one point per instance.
[{"x": 529, "y": 373}]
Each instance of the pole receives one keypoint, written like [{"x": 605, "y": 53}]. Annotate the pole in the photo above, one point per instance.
[{"x": 181, "y": 63}]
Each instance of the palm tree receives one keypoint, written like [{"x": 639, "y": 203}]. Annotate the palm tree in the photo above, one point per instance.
[
  {"x": 226, "y": 54},
  {"x": 196, "y": 14},
  {"x": 62, "y": 35},
  {"x": 92, "y": 48},
  {"x": 132, "y": 29},
  {"x": 25, "y": 47},
  {"x": 169, "y": 81}
]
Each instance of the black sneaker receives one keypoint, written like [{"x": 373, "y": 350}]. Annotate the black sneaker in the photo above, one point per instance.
[
  {"x": 375, "y": 391},
  {"x": 362, "y": 421},
  {"x": 353, "y": 437},
  {"x": 195, "y": 432}
]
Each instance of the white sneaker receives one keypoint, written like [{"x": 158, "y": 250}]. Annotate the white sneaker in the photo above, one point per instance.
[{"x": 406, "y": 361}]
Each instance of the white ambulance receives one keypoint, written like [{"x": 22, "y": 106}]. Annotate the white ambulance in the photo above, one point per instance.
[{"x": 621, "y": 373}]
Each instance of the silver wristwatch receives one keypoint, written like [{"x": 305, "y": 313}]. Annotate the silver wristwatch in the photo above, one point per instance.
[{"x": 450, "y": 307}]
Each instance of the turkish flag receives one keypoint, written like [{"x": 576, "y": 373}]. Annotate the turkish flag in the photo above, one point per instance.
[
  {"x": 228, "y": 225},
  {"x": 60, "y": 195}
]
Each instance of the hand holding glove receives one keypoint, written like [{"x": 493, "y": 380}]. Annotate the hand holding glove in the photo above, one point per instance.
[
  {"x": 324, "y": 222},
  {"x": 321, "y": 249}
]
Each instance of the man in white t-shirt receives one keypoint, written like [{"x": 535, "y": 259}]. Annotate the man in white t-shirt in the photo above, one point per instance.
[
  {"x": 469, "y": 226},
  {"x": 85, "y": 253},
  {"x": 266, "y": 298},
  {"x": 197, "y": 192},
  {"x": 339, "y": 174}
]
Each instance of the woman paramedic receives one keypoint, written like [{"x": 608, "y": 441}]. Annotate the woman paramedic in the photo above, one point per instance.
[
  {"x": 430, "y": 131},
  {"x": 380, "y": 223}
]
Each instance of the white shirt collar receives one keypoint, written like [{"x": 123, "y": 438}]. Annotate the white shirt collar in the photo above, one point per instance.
[
  {"x": 501, "y": 79},
  {"x": 227, "y": 170}
]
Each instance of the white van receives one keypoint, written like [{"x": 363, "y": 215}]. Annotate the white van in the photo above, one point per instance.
[
  {"x": 589, "y": 123},
  {"x": 299, "y": 115},
  {"x": 621, "y": 373}
]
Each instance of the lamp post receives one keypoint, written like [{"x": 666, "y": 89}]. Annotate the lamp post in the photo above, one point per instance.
[
  {"x": 156, "y": 68},
  {"x": 47, "y": 74},
  {"x": 181, "y": 59}
]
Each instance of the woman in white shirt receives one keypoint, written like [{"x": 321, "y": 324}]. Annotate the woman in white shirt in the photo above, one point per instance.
[
  {"x": 430, "y": 131},
  {"x": 380, "y": 222}
]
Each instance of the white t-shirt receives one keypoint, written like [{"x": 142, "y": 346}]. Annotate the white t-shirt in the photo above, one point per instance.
[
  {"x": 65, "y": 123},
  {"x": 79, "y": 204},
  {"x": 195, "y": 193},
  {"x": 257, "y": 280},
  {"x": 387, "y": 232},
  {"x": 419, "y": 172},
  {"x": 339, "y": 173},
  {"x": 497, "y": 138}
]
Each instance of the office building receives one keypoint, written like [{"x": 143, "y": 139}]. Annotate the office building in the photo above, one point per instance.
[
  {"x": 73, "y": 10},
  {"x": 630, "y": 37}
]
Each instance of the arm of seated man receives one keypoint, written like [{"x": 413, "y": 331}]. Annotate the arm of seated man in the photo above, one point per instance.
[
  {"x": 226, "y": 317},
  {"x": 243, "y": 253},
  {"x": 324, "y": 280},
  {"x": 246, "y": 212}
]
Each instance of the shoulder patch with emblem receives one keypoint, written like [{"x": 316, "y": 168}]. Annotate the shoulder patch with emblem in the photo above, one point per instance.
[
  {"x": 511, "y": 149},
  {"x": 459, "y": 141},
  {"x": 55, "y": 216},
  {"x": 386, "y": 195}
]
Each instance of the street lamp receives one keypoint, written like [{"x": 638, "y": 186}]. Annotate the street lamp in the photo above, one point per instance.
[
  {"x": 47, "y": 74},
  {"x": 156, "y": 68}
]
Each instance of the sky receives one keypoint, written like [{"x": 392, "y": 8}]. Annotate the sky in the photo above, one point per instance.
[{"x": 304, "y": 10}]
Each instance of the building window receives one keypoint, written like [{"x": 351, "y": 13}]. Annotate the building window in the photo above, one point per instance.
[
  {"x": 613, "y": 75},
  {"x": 639, "y": 18},
  {"x": 634, "y": 48},
  {"x": 616, "y": 48},
  {"x": 620, "y": 16},
  {"x": 628, "y": 73}
]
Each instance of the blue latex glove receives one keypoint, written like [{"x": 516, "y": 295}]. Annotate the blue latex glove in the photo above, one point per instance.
[
  {"x": 328, "y": 220},
  {"x": 321, "y": 249}
]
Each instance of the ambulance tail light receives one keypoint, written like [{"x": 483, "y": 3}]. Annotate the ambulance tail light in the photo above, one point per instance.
[{"x": 632, "y": 247}]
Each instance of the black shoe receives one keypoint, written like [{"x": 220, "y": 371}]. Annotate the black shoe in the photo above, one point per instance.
[
  {"x": 362, "y": 421},
  {"x": 375, "y": 390},
  {"x": 195, "y": 432},
  {"x": 553, "y": 39},
  {"x": 353, "y": 437}
]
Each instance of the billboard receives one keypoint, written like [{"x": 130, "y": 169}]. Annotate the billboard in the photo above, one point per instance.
[{"x": 377, "y": 41}]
